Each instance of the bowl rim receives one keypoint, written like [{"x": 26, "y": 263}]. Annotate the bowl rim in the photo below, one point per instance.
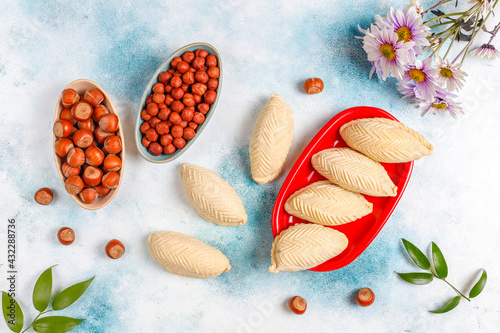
[
  {"x": 154, "y": 78},
  {"x": 59, "y": 160}
]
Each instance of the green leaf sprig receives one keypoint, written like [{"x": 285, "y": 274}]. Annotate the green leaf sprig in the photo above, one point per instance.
[
  {"x": 439, "y": 269},
  {"x": 42, "y": 294}
]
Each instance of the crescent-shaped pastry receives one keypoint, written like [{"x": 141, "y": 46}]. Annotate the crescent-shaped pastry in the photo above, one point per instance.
[
  {"x": 303, "y": 246},
  {"x": 271, "y": 140},
  {"x": 385, "y": 140},
  {"x": 214, "y": 199},
  {"x": 186, "y": 256},
  {"x": 354, "y": 172},
  {"x": 327, "y": 204}
]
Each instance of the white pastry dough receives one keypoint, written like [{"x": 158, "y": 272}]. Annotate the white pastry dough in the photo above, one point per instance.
[
  {"x": 354, "y": 172},
  {"x": 271, "y": 140},
  {"x": 327, "y": 204},
  {"x": 385, "y": 140},
  {"x": 214, "y": 199},
  {"x": 186, "y": 256},
  {"x": 305, "y": 246}
]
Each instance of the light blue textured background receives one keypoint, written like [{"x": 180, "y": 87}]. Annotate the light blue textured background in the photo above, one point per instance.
[{"x": 267, "y": 47}]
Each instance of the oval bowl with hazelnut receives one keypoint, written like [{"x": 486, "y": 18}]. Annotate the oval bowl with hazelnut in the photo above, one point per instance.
[
  {"x": 82, "y": 87},
  {"x": 163, "y": 158}
]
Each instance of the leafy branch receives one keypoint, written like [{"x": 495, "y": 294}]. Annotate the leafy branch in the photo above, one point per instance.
[
  {"x": 42, "y": 293},
  {"x": 439, "y": 269}
]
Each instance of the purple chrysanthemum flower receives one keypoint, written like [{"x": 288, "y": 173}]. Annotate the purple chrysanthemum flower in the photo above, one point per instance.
[
  {"x": 388, "y": 55},
  {"x": 421, "y": 74},
  {"x": 409, "y": 26},
  {"x": 486, "y": 51},
  {"x": 407, "y": 89},
  {"x": 443, "y": 102},
  {"x": 449, "y": 75}
]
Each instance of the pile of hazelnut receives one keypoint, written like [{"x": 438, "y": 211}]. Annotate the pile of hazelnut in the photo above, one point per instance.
[
  {"x": 179, "y": 102},
  {"x": 88, "y": 144}
]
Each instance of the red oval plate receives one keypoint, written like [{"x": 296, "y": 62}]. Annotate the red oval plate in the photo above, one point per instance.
[{"x": 360, "y": 233}]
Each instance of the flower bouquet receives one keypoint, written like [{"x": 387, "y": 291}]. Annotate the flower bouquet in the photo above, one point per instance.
[{"x": 395, "y": 43}]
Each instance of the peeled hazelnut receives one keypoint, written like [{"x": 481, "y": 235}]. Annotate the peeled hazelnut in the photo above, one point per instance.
[
  {"x": 153, "y": 109},
  {"x": 201, "y": 76},
  {"x": 166, "y": 139},
  {"x": 145, "y": 142},
  {"x": 159, "y": 88},
  {"x": 212, "y": 84},
  {"x": 155, "y": 148},
  {"x": 211, "y": 60},
  {"x": 188, "y": 78},
  {"x": 179, "y": 143},
  {"x": 213, "y": 72},
  {"x": 188, "y": 134},
  {"x": 210, "y": 96},
  {"x": 201, "y": 53},
  {"x": 144, "y": 127},
  {"x": 169, "y": 149},
  {"x": 164, "y": 77},
  {"x": 145, "y": 115},
  {"x": 188, "y": 56}
]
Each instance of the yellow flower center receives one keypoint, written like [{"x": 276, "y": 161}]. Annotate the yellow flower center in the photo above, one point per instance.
[
  {"x": 404, "y": 33},
  {"x": 417, "y": 75},
  {"x": 440, "y": 106},
  {"x": 388, "y": 51},
  {"x": 445, "y": 72}
]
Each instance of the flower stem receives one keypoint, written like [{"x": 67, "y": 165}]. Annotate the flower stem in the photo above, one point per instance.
[
  {"x": 441, "y": 24},
  {"x": 452, "y": 32},
  {"x": 494, "y": 32},
  {"x": 442, "y": 2},
  {"x": 467, "y": 298},
  {"x": 451, "y": 44},
  {"x": 443, "y": 16},
  {"x": 41, "y": 313}
]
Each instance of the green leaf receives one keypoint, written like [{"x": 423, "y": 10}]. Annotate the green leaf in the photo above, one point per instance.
[
  {"x": 69, "y": 295},
  {"x": 56, "y": 324},
  {"x": 450, "y": 305},
  {"x": 479, "y": 286},
  {"x": 12, "y": 313},
  {"x": 439, "y": 262},
  {"x": 418, "y": 257},
  {"x": 43, "y": 290},
  {"x": 417, "y": 278}
]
